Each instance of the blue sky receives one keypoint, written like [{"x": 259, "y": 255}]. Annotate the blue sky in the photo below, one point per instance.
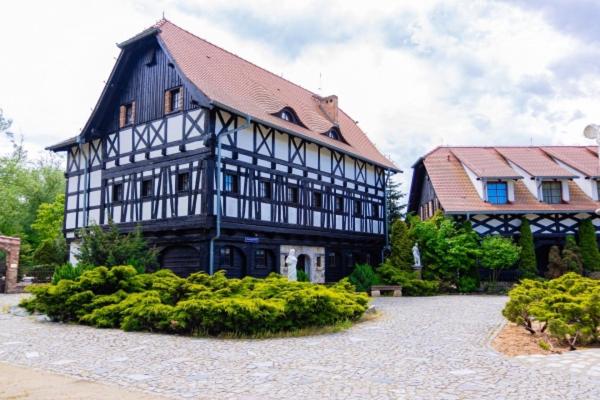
[{"x": 414, "y": 74}]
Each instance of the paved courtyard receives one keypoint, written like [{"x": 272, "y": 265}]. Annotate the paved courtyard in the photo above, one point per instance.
[{"x": 420, "y": 348}]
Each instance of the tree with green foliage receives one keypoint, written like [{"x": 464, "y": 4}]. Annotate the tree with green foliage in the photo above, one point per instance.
[
  {"x": 589, "y": 246},
  {"x": 395, "y": 201},
  {"x": 49, "y": 219},
  {"x": 571, "y": 256},
  {"x": 498, "y": 253},
  {"x": 401, "y": 246},
  {"x": 448, "y": 249},
  {"x": 109, "y": 247},
  {"x": 528, "y": 262},
  {"x": 363, "y": 277},
  {"x": 555, "y": 263}
]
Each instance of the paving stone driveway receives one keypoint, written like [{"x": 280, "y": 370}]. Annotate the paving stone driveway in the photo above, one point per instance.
[{"x": 420, "y": 348}]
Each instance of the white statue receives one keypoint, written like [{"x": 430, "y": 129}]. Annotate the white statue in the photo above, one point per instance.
[
  {"x": 417, "y": 256},
  {"x": 291, "y": 262}
]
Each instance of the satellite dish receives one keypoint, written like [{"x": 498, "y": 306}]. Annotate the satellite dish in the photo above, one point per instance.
[
  {"x": 597, "y": 212},
  {"x": 592, "y": 131}
]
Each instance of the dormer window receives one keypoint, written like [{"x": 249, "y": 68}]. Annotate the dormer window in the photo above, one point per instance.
[
  {"x": 334, "y": 134},
  {"x": 497, "y": 192},
  {"x": 552, "y": 192},
  {"x": 289, "y": 115},
  {"x": 286, "y": 116}
]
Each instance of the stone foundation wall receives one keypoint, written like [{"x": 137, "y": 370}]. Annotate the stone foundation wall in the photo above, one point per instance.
[
  {"x": 316, "y": 260},
  {"x": 12, "y": 246}
]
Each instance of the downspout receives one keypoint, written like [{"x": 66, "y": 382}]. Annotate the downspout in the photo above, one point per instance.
[
  {"x": 218, "y": 177},
  {"x": 386, "y": 217}
]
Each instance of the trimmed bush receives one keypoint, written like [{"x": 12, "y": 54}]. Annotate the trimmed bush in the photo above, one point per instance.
[
  {"x": 589, "y": 246},
  {"x": 528, "y": 261},
  {"x": 498, "y": 253},
  {"x": 410, "y": 282},
  {"x": 68, "y": 271},
  {"x": 121, "y": 297},
  {"x": 467, "y": 284},
  {"x": 568, "y": 307},
  {"x": 363, "y": 277}
]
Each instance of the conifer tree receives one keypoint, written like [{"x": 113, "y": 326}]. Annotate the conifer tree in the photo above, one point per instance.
[
  {"x": 395, "y": 203},
  {"x": 401, "y": 246},
  {"x": 555, "y": 263},
  {"x": 528, "y": 263},
  {"x": 571, "y": 256},
  {"x": 589, "y": 246}
]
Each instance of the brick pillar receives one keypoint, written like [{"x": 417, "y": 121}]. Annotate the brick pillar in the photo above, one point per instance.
[{"x": 12, "y": 246}]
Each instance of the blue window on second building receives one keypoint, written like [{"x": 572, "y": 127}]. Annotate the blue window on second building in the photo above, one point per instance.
[{"x": 497, "y": 192}]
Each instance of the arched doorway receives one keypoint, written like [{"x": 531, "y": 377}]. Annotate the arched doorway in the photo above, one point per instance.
[
  {"x": 183, "y": 260},
  {"x": 304, "y": 265}
]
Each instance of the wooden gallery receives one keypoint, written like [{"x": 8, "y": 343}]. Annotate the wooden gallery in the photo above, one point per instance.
[{"x": 225, "y": 165}]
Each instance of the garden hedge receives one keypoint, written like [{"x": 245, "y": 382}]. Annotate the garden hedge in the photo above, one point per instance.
[{"x": 121, "y": 297}]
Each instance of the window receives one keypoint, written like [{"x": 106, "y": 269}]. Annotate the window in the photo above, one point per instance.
[
  {"x": 317, "y": 200},
  {"x": 287, "y": 116},
  {"x": 230, "y": 183},
  {"x": 552, "y": 192},
  {"x": 264, "y": 190},
  {"x": 375, "y": 210},
  {"x": 173, "y": 100},
  {"x": 497, "y": 192},
  {"x": 126, "y": 114},
  {"x": 117, "y": 192},
  {"x": 339, "y": 204},
  {"x": 226, "y": 256},
  {"x": 183, "y": 180},
  {"x": 357, "y": 208},
  {"x": 333, "y": 133},
  {"x": 292, "y": 194},
  {"x": 331, "y": 260},
  {"x": 147, "y": 188},
  {"x": 260, "y": 258}
]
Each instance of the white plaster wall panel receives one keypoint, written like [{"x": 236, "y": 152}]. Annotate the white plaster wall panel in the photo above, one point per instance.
[
  {"x": 312, "y": 155},
  {"x": 94, "y": 198},
  {"x": 510, "y": 185},
  {"x": 245, "y": 158},
  {"x": 194, "y": 145},
  {"x": 109, "y": 149},
  {"x": 98, "y": 153},
  {"x": 477, "y": 183},
  {"x": 350, "y": 170},
  {"x": 325, "y": 160},
  {"x": 231, "y": 207},
  {"x": 125, "y": 140},
  {"x": 199, "y": 201},
  {"x": 225, "y": 153},
  {"x": 370, "y": 174},
  {"x": 312, "y": 175},
  {"x": 155, "y": 153},
  {"x": 95, "y": 179},
  {"x": 174, "y": 128},
  {"x": 190, "y": 130},
  {"x": 281, "y": 168},
  {"x": 117, "y": 214},
  {"x": 264, "y": 163},
  {"x": 245, "y": 139},
  {"x": 564, "y": 184},
  {"x": 72, "y": 184},
  {"x": 182, "y": 206},
  {"x": 292, "y": 215},
  {"x": 265, "y": 211},
  {"x": 139, "y": 157},
  {"x": 70, "y": 235},
  {"x": 124, "y": 160},
  {"x": 147, "y": 210},
  {"x": 297, "y": 172},
  {"x": 80, "y": 219},
  {"x": 172, "y": 150},
  {"x": 281, "y": 146},
  {"x": 338, "y": 181},
  {"x": 70, "y": 220},
  {"x": 110, "y": 164},
  {"x": 317, "y": 219},
  {"x": 338, "y": 221},
  {"x": 71, "y": 202},
  {"x": 94, "y": 216}
]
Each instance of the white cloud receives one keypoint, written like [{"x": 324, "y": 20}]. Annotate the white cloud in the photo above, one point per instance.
[{"x": 415, "y": 74}]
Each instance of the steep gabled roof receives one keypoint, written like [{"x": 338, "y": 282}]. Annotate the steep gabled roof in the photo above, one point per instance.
[
  {"x": 576, "y": 157},
  {"x": 485, "y": 162},
  {"x": 233, "y": 83},
  {"x": 534, "y": 161}
]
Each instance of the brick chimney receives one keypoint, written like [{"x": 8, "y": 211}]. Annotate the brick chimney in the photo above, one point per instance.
[{"x": 329, "y": 106}]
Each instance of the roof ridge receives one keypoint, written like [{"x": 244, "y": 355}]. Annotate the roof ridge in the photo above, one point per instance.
[{"x": 163, "y": 21}]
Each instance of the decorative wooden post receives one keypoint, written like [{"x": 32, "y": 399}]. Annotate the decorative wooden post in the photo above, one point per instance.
[{"x": 12, "y": 246}]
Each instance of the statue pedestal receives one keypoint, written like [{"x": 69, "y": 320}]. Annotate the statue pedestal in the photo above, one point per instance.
[{"x": 418, "y": 271}]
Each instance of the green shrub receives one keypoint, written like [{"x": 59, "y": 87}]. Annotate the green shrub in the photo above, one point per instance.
[
  {"x": 528, "y": 262},
  {"x": 589, "y": 246},
  {"x": 555, "y": 263},
  {"x": 121, "y": 297},
  {"x": 410, "y": 282},
  {"x": 68, "y": 271},
  {"x": 571, "y": 256},
  {"x": 302, "y": 276},
  {"x": 363, "y": 277},
  {"x": 498, "y": 253},
  {"x": 401, "y": 246},
  {"x": 109, "y": 247},
  {"x": 568, "y": 307},
  {"x": 467, "y": 284}
]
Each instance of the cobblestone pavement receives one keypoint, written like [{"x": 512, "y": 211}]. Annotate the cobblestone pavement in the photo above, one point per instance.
[{"x": 420, "y": 348}]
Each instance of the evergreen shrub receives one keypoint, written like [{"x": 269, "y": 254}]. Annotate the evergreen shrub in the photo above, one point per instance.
[
  {"x": 410, "y": 282},
  {"x": 363, "y": 277},
  {"x": 121, "y": 297}
]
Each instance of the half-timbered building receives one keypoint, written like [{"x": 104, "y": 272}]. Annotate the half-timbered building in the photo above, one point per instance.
[
  {"x": 554, "y": 187},
  {"x": 225, "y": 165}
]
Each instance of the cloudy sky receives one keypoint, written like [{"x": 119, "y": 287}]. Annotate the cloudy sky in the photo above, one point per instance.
[{"x": 415, "y": 74}]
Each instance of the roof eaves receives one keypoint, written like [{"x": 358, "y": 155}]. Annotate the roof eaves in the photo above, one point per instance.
[
  {"x": 65, "y": 144},
  {"x": 144, "y": 34}
]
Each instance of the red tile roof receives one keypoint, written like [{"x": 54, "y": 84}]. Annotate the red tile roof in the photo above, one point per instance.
[
  {"x": 579, "y": 158},
  {"x": 457, "y": 194},
  {"x": 232, "y": 82},
  {"x": 485, "y": 162},
  {"x": 534, "y": 161}
]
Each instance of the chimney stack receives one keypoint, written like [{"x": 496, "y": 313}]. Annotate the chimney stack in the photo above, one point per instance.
[{"x": 329, "y": 106}]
